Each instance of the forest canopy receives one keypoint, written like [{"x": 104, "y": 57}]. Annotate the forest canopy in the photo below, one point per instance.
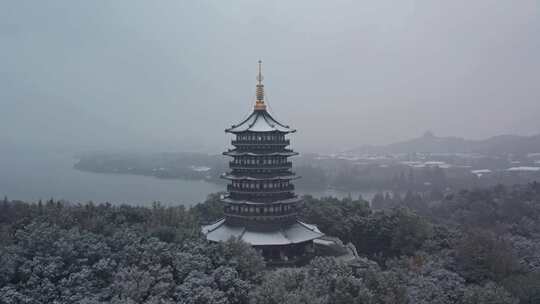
[{"x": 477, "y": 246}]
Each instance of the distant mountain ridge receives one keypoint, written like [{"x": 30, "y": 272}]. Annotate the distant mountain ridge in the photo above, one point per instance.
[{"x": 429, "y": 143}]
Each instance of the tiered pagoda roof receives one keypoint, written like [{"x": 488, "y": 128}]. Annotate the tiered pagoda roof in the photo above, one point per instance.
[
  {"x": 260, "y": 121},
  {"x": 261, "y": 206},
  {"x": 296, "y": 233}
]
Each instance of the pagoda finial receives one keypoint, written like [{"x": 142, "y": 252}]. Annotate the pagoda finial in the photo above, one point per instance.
[{"x": 259, "y": 103}]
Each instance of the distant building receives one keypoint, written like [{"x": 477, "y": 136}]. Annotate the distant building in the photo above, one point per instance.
[{"x": 261, "y": 206}]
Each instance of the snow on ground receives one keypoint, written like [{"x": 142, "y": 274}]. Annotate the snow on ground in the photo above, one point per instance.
[{"x": 523, "y": 168}]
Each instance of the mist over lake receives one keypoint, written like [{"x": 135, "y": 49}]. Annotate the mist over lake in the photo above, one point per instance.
[{"x": 32, "y": 175}]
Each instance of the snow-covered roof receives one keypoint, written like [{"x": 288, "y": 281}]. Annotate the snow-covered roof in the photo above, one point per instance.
[
  {"x": 523, "y": 168},
  {"x": 260, "y": 121},
  {"x": 481, "y": 171},
  {"x": 297, "y": 232},
  {"x": 279, "y": 177},
  {"x": 228, "y": 200}
]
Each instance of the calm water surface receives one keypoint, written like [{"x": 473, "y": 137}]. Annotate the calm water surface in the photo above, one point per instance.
[{"x": 31, "y": 176}]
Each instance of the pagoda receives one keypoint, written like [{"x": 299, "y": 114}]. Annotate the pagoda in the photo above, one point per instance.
[{"x": 260, "y": 206}]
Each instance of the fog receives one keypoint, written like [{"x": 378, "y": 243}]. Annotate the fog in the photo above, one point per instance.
[{"x": 171, "y": 75}]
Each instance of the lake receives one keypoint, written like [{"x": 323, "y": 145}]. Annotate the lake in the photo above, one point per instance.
[{"x": 31, "y": 176}]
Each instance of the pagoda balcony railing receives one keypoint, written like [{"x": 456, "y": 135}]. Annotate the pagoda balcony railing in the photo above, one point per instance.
[
  {"x": 258, "y": 217},
  {"x": 256, "y": 212},
  {"x": 285, "y": 165},
  {"x": 285, "y": 142},
  {"x": 261, "y": 215},
  {"x": 289, "y": 188}
]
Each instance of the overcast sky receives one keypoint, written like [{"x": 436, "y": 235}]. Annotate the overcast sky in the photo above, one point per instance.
[{"x": 171, "y": 75}]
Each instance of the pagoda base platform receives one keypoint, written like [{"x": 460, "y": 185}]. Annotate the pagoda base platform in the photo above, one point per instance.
[
  {"x": 288, "y": 244},
  {"x": 293, "y": 233}
]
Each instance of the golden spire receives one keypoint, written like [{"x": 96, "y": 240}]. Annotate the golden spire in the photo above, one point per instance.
[{"x": 259, "y": 104}]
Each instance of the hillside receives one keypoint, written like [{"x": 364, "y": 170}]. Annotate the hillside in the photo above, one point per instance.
[{"x": 429, "y": 143}]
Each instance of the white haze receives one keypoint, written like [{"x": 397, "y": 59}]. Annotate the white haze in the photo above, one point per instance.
[{"x": 171, "y": 75}]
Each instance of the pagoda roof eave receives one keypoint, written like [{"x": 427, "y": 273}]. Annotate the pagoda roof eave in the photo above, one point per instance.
[
  {"x": 260, "y": 121},
  {"x": 298, "y": 232},
  {"x": 244, "y": 177},
  {"x": 231, "y": 130},
  {"x": 238, "y": 153},
  {"x": 229, "y": 200}
]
